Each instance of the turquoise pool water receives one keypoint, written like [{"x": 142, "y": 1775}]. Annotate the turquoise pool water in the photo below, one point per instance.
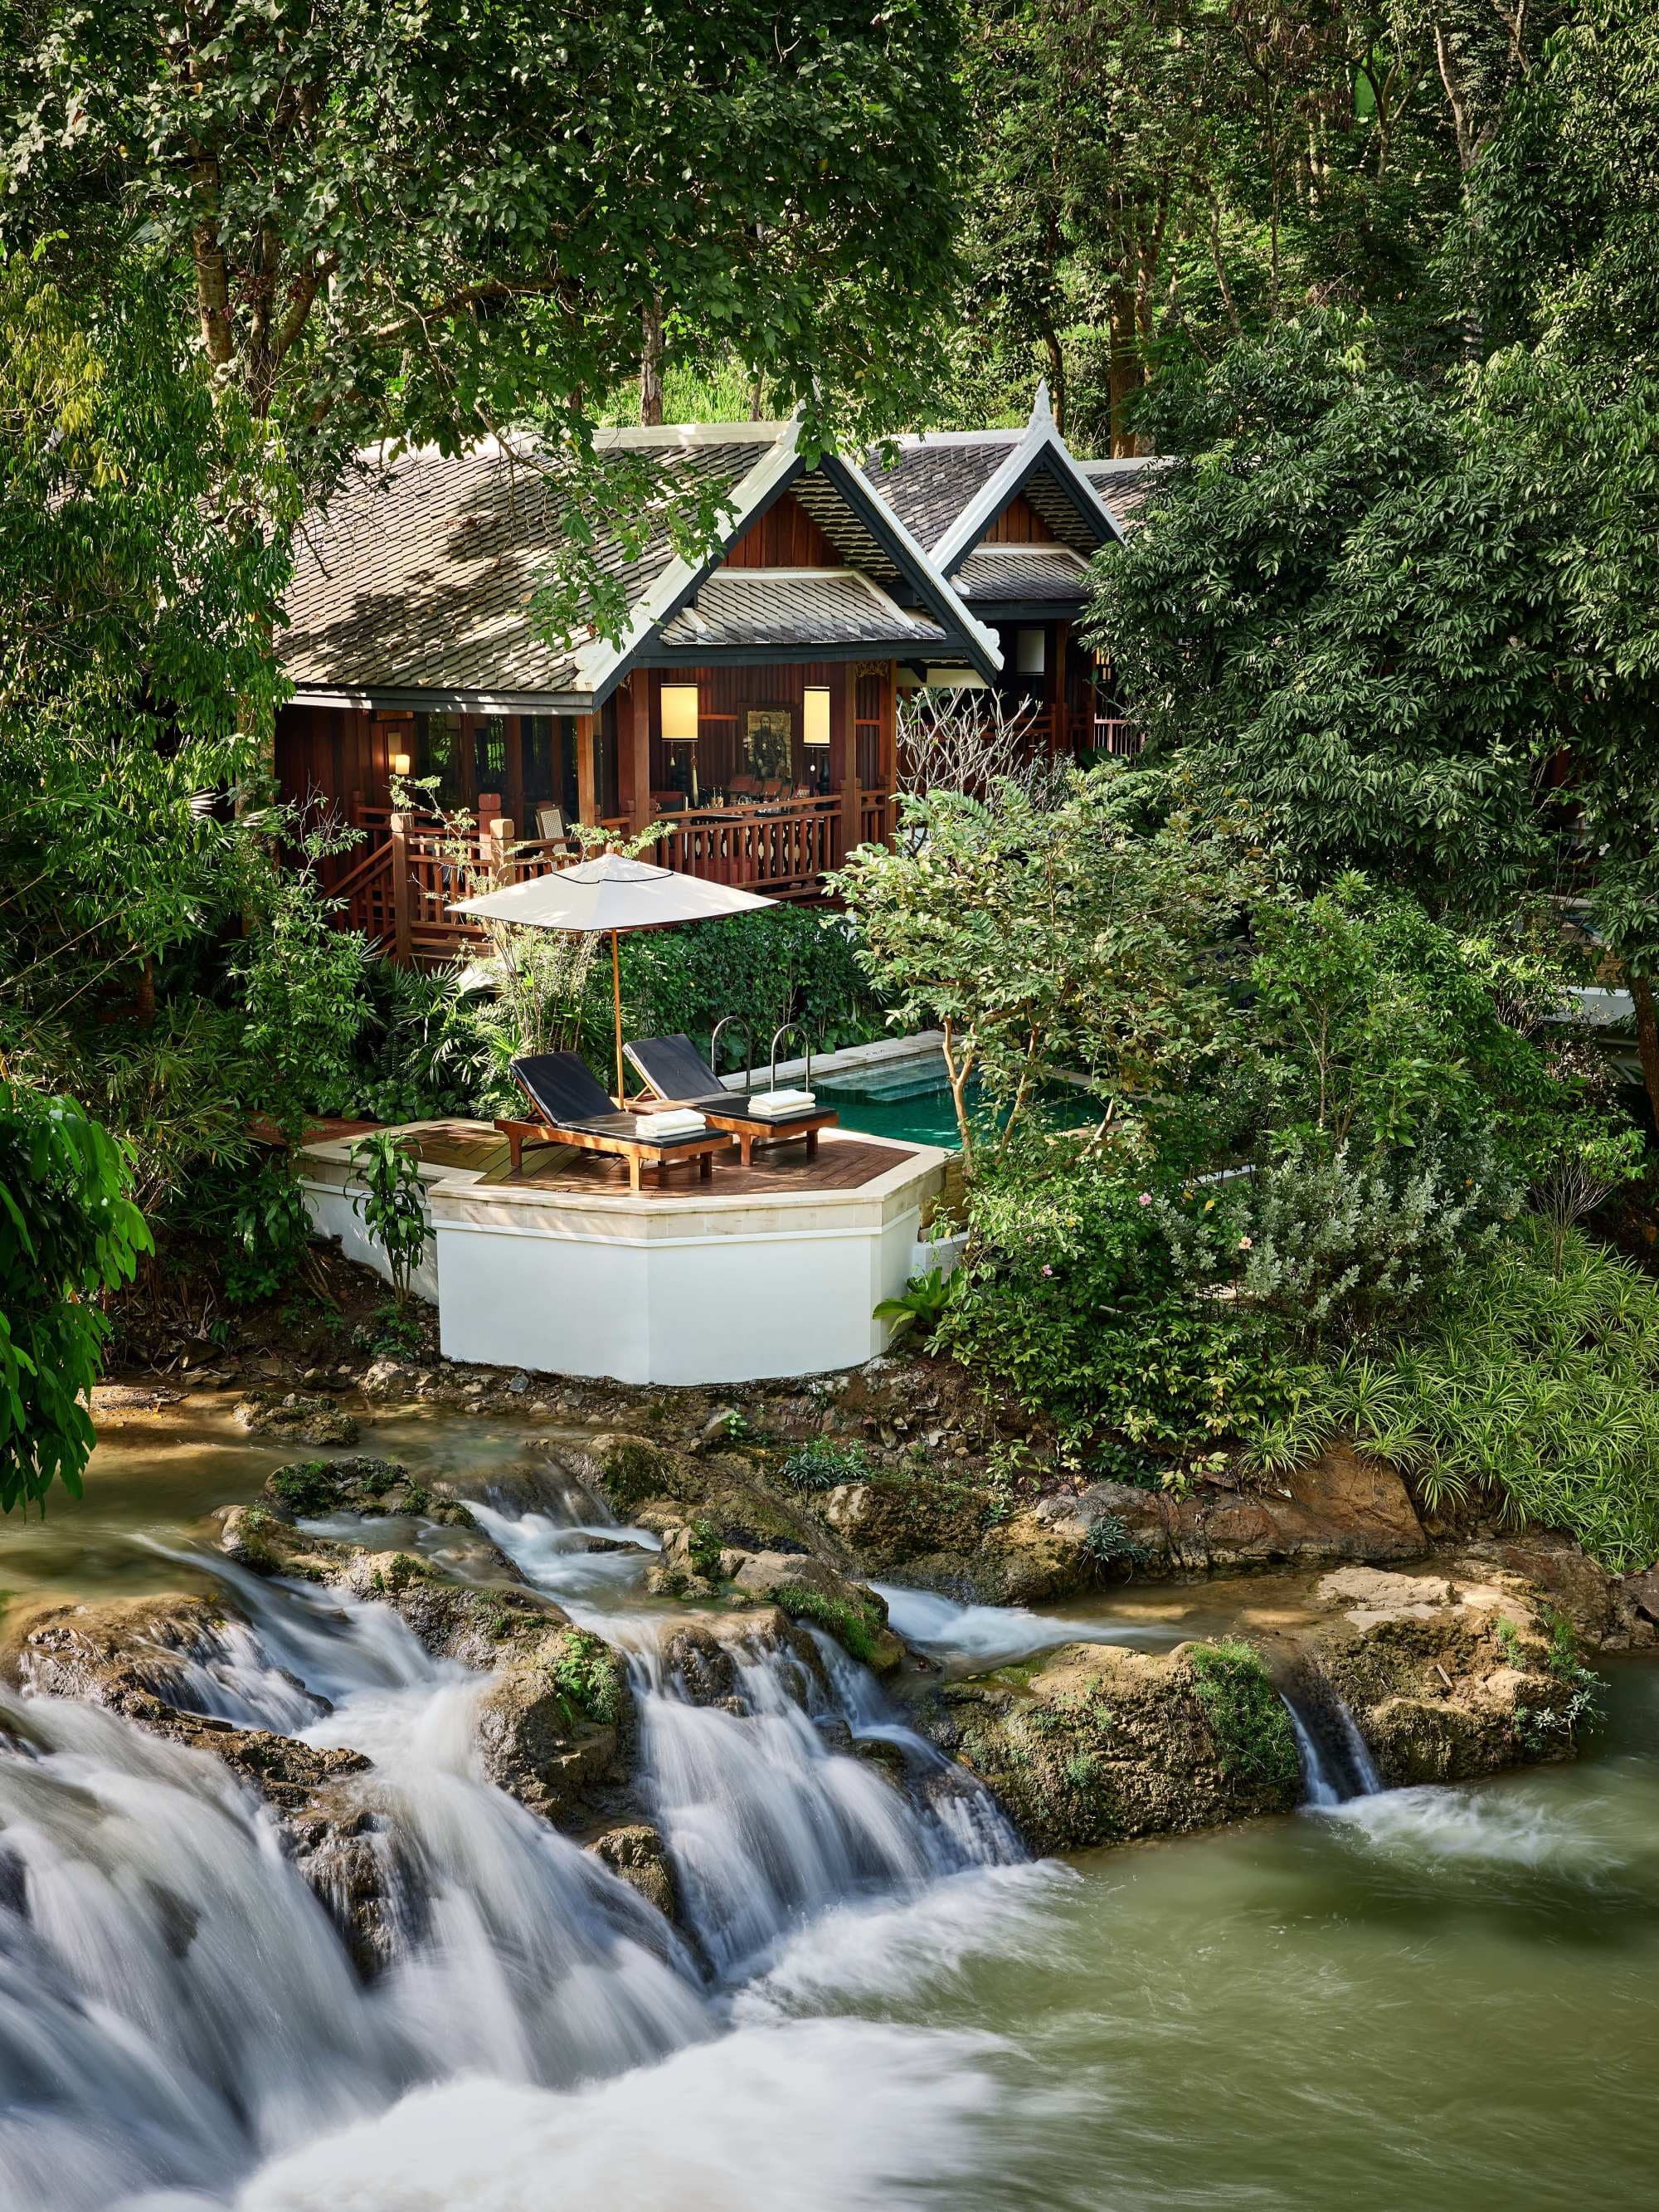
[{"x": 909, "y": 1100}]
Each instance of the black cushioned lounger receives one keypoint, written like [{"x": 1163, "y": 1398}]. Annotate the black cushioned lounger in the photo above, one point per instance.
[
  {"x": 574, "y": 1109},
  {"x": 676, "y": 1071}
]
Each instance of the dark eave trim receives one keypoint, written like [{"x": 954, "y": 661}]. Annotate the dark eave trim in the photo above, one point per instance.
[{"x": 391, "y": 700}]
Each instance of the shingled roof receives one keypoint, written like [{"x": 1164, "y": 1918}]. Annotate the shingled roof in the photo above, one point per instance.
[
  {"x": 930, "y": 480},
  {"x": 796, "y": 607},
  {"x": 1123, "y": 485},
  {"x": 1033, "y": 573},
  {"x": 419, "y": 577}
]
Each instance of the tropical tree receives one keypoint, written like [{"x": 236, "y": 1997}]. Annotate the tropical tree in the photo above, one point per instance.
[{"x": 68, "y": 1233}]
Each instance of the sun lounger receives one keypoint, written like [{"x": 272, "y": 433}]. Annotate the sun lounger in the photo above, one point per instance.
[
  {"x": 675, "y": 1070},
  {"x": 573, "y": 1109}
]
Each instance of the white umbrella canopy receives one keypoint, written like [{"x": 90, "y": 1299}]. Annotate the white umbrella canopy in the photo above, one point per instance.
[{"x": 609, "y": 896}]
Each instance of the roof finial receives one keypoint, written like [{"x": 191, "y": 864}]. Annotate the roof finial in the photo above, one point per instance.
[{"x": 1040, "y": 410}]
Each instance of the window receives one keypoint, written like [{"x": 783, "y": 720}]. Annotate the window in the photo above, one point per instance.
[
  {"x": 438, "y": 758},
  {"x": 1030, "y": 651},
  {"x": 489, "y": 755}
]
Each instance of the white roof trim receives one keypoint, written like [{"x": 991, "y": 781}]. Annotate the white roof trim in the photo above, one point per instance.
[
  {"x": 983, "y": 510},
  {"x": 597, "y": 661},
  {"x": 600, "y": 659}
]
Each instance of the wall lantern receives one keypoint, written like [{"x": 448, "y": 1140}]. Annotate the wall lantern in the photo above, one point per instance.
[
  {"x": 679, "y": 714},
  {"x": 400, "y": 764},
  {"x": 815, "y": 715}
]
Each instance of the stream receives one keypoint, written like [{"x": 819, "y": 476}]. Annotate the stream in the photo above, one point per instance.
[{"x": 1418, "y": 1998}]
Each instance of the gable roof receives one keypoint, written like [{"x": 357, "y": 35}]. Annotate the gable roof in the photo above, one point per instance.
[
  {"x": 1032, "y": 574},
  {"x": 1123, "y": 485},
  {"x": 415, "y": 587},
  {"x": 798, "y": 607},
  {"x": 951, "y": 485}
]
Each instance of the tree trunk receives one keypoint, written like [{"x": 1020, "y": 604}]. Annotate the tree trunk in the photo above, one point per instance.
[
  {"x": 1056, "y": 377},
  {"x": 1647, "y": 1040},
  {"x": 1124, "y": 368},
  {"x": 650, "y": 365}
]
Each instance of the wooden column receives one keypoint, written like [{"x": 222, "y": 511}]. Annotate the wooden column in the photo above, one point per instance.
[
  {"x": 887, "y": 761},
  {"x": 634, "y": 748},
  {"x": 401, "y": 945},
  {"x": 587, "y": 809},
  {"x": 844, "y": 747}
]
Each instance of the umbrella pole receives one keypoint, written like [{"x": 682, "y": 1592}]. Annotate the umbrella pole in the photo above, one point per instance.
[{"x": 615, "y": 998}]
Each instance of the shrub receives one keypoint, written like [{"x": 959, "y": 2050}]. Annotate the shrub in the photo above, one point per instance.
[
  {"x": 821, "y": 1465},
  {"x": 1543, "y": 1388},
  {"x": 1334, "y": 1245},
  {"x": 392, "y": 1204},
  {"x": 1068, "y": 1301},
  {"x": 269, "y": 1235}
]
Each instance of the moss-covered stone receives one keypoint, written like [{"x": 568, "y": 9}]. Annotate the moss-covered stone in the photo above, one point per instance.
[
  {"x": 1254, "y": 1738},
  {"x": 314, "y": 1489},
  {"x": 809, "y": 1592},
  {"x": 1095, "y": 1745}
]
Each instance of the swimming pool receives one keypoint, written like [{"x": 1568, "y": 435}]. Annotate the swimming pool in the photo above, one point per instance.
[{"x": 909, "y": 1100}]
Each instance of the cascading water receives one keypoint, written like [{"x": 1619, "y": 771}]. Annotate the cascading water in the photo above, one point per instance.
[
  {"x": 175, "y": 2002},
  {"x": 1336, "y": 1761},
  {"x": 176, "y": 2009}
]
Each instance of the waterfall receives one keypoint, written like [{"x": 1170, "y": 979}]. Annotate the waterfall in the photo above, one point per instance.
[
  {"x": 177, "y": 2008},
  {"x": 176, "y": 2005},
  {"x": 770, "y": 1815},
  {"x": 1336, "y": 1760}
]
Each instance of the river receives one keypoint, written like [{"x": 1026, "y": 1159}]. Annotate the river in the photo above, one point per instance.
[{"x": 1411, "y": 1999}]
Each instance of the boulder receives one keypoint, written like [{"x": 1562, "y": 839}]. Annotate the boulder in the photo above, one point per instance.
[
  {"x": 128, "y": 1653},
  {"x": 636, "y": 1854},
  {"x": 316, "y": 1489},
  {"x": 1450, "y": 1674},
  {"x": 1096, "y": 1745},
  {"x": 554, "y": 1724},
  {"x": 299, "y": 1417},
  {"x": 815, "y": 1594},
  {"x": 722, "y": 1496}
]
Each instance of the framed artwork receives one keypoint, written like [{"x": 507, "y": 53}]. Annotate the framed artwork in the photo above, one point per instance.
[{"x": 768, "y": 742}]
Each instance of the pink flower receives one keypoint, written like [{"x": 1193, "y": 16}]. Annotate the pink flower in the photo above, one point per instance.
[
  {"x": 1047, "y": 1270},
  {"x": 1145, "y": 1198},
  {"x": 1245, "y": 1244}
]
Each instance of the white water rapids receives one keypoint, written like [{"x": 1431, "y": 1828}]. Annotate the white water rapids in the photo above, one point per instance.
[{"x": 180, "y": 2022}]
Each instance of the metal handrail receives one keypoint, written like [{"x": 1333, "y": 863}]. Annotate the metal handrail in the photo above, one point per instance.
[
  {"x": 748, "y": 1029},
  {"x": 789, "y": 1029}
]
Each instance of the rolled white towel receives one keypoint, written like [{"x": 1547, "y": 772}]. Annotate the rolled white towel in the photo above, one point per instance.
[
  {"x": 783, "y": 1101},
  {"x": 678, "y": 1121}
]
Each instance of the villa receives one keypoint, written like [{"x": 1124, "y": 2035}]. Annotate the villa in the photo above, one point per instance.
[{"x": 750, "y": 703}]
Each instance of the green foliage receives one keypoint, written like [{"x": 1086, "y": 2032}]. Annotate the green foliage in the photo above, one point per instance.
[
  {"x": 1333, "y": 1246},
  {"x": 1540, "y": 1387},
  {"x": 377, "y": 228},
  {"x": 824, "y": 1465},
  {"x": 922, "y": 1305},
  {"x": 587, "y": 1675},
  {"x": 1083, "y": 934},
  {"x": 1069, "y": 1302},
  {"x": 269, "y": 1236},
  {"x": 1254, "y": 1739},
  {"x": 1108, "y": 1543},
  {"x": 68, "y": 1233},
  {"x": 392, "y": 1204}
]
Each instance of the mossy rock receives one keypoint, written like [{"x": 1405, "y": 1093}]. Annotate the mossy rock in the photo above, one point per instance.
[
  {"x": 816, "y": 1596},
  {"x": 314, "y": 1489},
  {"x": 1098, "y": 1745}
]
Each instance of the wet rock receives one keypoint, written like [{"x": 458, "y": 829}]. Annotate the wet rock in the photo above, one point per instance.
[
  {"x": 637, "y": 1855},
  {"x": 554, "y": 1724},
  {"x": 128, "y": 1653},
  {"x": 1459, "y": 1672},
  {"x": 1096, "y": 1745},
  {"x": 386, "y": 1379},
  {"x": 480, "y": 1628},
  {"x": 703, "y": 1654},
  {"x": 315, "y": 1489},
  {"x": 299, "y": 1417},
  {"x": 815, "y": 1594}
]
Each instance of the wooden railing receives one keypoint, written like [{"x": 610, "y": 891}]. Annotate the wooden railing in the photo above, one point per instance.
[
  {"x": 401, "y": 889},
  {"x": 782, "y": 850},
  {"x": 878, "y": 813}
]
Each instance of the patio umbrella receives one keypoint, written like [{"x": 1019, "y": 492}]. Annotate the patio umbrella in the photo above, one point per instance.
[{"x": 611, "y": 896}]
